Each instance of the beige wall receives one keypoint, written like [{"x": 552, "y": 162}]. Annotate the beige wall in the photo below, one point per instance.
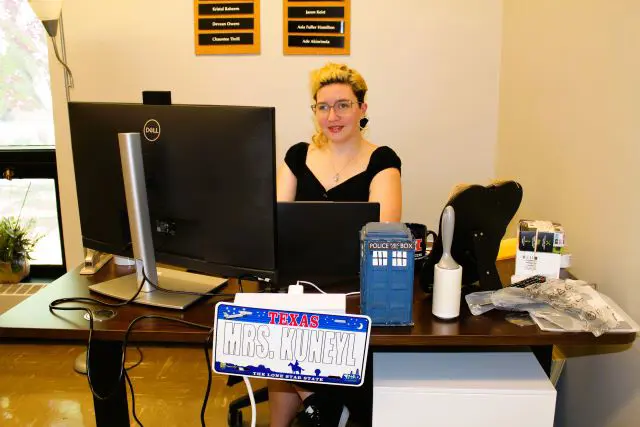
[
  {"x": 66, "y": 178},
  {"x": 567, "y": 127},
  {"x": 432, "y": 67},
  {"x": 569, "y": 131}
]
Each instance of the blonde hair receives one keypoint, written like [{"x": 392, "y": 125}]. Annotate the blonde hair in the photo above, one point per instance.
[{"x": 336, "y": 73}]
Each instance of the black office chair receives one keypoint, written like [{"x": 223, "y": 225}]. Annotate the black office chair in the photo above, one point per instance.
[{"x": 234, "y": 416}]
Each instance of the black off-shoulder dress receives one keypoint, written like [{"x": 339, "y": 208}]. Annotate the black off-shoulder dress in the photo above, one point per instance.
[{"x": 355, "y": 189}]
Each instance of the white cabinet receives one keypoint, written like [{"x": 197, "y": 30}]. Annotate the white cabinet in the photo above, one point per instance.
[{"x": 478, "y": 389}]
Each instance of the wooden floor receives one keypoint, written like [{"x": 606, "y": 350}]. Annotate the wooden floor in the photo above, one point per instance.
[{"x": 38, "y": 387}]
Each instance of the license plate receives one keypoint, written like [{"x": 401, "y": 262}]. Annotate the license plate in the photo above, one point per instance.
[{"x": 290, "y": 345}]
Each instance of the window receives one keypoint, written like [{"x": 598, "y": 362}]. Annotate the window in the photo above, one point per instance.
[
  {"x": 29, "y": 188},
  {"x": 26, "y": 112},
  {"x": 399, "y": 258},
  {"x": 379, "y": 258}
]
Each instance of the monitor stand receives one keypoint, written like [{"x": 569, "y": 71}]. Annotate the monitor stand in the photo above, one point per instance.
[{"x": 125, "y": 287}]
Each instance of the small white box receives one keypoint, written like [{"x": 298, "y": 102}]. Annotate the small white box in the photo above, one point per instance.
[
  {"x": 322, "y": 303},
  {"x": 497, "y": 389},
  {"x": 533, "y": 263}
]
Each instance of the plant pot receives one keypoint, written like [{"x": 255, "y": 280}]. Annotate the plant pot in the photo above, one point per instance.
[{"x": 8, "y": 275}]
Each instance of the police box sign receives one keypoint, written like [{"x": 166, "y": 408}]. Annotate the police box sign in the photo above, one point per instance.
[
  {"x": 290, "y": 345},
  {"x": 391, "y": 245}
]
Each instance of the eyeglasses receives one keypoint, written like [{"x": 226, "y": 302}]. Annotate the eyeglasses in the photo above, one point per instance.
[{"x": 340, "y": 107}]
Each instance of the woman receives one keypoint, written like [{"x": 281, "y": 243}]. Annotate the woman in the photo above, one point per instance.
[{"x": 339, "y": 165}]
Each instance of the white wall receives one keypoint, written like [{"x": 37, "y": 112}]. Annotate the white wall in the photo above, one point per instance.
[
  {"x": 569, "y": 94},
  {"x": 432, "y": 67},
  {"x": 64, "y": 162},
  {"x": 569, "y": 130}
]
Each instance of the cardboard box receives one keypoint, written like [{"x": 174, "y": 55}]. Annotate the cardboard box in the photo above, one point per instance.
[
  {"x": 540, "y": 236},
  {"x": 540, "y": 245}
]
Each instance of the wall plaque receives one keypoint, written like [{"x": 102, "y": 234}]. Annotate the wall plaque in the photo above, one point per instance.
[
  {"x": 227, "y": 27},
  {"x": 317, "y": 27}
]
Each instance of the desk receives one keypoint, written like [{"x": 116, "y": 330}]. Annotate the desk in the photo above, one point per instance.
[{"x": 31, "y": 320}]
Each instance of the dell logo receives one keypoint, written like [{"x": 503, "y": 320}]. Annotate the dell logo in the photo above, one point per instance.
[{"x": 151, "y": 130}]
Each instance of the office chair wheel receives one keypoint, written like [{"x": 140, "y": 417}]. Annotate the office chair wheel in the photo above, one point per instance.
[{"x": 234, "y": 419}]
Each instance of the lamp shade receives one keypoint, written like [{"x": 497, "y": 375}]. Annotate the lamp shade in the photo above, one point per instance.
[{"x": 46, "y": 10}]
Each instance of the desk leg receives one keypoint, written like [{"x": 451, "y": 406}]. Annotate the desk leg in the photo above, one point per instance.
[
  {"x": 543, "y": 353},
  {"x": 104, "y": 360}
]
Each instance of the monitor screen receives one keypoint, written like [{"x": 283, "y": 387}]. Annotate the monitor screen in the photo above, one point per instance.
[{"x": 210, "y": 180}]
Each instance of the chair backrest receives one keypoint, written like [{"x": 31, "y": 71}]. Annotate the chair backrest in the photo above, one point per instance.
[{"x": 482, "y": 215}]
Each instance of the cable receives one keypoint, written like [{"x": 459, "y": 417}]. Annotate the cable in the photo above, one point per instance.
[
  {"x": 247, "y": 276},
  {"x": 208, "y": 389},
  {"x": 139, "y": 360},
  {"x": 125, "y": 341},
  {"x": 133, "y": 399},
  {"x": 55, "y": 305},
  {"x": 252, "y": 399},
  {"x": 66, "y": 67},
  {"x": 348, "y": 294},
  {"x": 304, "y": 282}
]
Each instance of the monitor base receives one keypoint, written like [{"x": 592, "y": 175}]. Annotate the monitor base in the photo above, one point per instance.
[
  {"x": 124, "y": 288},
  {"x": 94, "y": 261}
]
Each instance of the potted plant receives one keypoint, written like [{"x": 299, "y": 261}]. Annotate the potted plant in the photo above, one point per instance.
[{"x": 16, "y": 246}]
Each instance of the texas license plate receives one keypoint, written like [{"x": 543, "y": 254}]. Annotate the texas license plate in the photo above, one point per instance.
[{"x": 290, "y": 345}]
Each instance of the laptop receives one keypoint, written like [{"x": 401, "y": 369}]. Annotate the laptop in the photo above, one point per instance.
[{"x": 320, "y": 241}]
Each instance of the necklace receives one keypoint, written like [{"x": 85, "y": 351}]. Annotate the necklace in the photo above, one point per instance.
[{"x": 336, "y": 177}]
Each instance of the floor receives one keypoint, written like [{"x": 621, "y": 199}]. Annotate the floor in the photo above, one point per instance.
[{"x": 38, "y": 387}]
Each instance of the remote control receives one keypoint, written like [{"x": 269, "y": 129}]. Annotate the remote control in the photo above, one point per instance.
[{"x": 529, "y": 281}]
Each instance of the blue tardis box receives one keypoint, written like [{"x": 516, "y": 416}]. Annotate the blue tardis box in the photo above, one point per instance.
[{"x": 386, "y": 273}]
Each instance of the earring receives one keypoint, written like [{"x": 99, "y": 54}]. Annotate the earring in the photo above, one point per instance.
[{"x": 363, "y": 122}]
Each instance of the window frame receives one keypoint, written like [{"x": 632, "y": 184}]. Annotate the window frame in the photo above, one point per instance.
[{"x": 37, "y": 163}]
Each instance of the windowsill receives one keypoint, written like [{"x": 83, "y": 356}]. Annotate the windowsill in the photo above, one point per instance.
[{"x": 45, "y": 277}]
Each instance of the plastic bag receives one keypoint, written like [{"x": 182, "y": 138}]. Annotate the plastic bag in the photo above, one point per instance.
[
  {"x": 510, "y": 299},
  {"x": 479, "y": 302},
  {"x": 562, "y": 302},
  {"x": 576, "y": 299}
]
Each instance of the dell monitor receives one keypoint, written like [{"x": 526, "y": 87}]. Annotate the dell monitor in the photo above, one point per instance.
[{"x": 209, "y": 177}]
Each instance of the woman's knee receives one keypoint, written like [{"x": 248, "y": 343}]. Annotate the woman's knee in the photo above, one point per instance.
[{"x": 280, "y": 387}]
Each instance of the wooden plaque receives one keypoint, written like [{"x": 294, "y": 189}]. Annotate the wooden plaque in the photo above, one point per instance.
[
  {"x": 223, "y": 27},
  {"x": 317, "y": 27}
]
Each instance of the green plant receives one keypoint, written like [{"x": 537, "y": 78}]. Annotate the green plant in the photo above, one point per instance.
[{"x": 16, "y": 241}]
